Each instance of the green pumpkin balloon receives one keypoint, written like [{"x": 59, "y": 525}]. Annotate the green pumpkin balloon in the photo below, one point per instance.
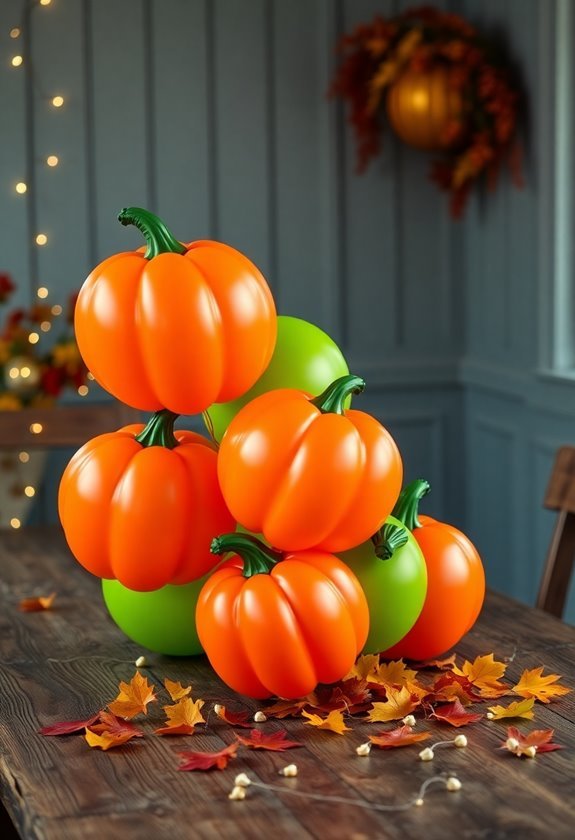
[
  {"x": 162, "y": 620},
  {"x": 305, "y": 358},
  {"x": 393, "y": 574}
]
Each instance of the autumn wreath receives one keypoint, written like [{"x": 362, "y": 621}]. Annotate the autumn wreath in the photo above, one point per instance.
[
  {"x": 446, "y": 88},
  {"x": 30, "y": 374}
]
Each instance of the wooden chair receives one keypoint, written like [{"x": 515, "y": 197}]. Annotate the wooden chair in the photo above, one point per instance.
[
  {"x": 62, "y": 425},
  {"x": 560, "y": 496}
]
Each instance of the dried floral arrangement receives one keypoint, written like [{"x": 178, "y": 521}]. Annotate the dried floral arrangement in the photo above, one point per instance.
[
  {"x": 481, "y": 101},
  {"x": 30, "y": 374}
]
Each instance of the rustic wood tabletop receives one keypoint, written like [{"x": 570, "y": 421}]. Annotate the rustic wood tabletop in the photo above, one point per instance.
[{"x": 66, "y": 664}]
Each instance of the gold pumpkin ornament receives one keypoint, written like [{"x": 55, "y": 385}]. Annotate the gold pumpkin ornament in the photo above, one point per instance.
[{"x": 420, "y": 107}]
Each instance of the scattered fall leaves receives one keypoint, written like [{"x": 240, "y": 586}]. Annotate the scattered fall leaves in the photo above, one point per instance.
[
  {"x": 399, "y": 703},
  {"x": 207, "y": 760},
  {"x": 182, "y": 718},
  {"x": 133, "y": 697},
  {"x": 107, "y": 740},
  {"x": 37, "y": 604},
  {"x": 176, "y": 690},
  {"x": 536, "y": 741},
  {"x": 113, "y": 725},
  {"x": 517, "y": 709},
  {"x": 484, "y": 673},
  {"x": 233, "y": 718},
  {"x": 68, "y": 727},
  {"x": 455, "y": 714},
  {"x": 534, "y": 684},
  {"x": 334, "y": 722},
  {"x": 276, "y": 741},
  {"x": 402, "y": 736}
]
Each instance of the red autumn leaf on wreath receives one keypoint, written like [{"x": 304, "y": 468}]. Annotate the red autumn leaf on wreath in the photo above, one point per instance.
[
  {"x": 68, "y": 727},
  {"x": 403, "y": 736},
  {"x": 115, "y": 726},
  {"x": 233, "y": 718},
  {"x": 536, "y": 741},
  {"x": 39, "y": 604},
  {"x": 207, "y": 760},
  {"x": 455, "y": 714},
  {"x": 276, "y": 741}
]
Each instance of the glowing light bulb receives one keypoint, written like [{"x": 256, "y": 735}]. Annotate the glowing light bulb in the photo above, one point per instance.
[
  {"x": 83, "y": 390},
  {"x": 52, "y": 160},
  {"x": 21, "y": 187},
  {"x": 45, "y": 2},
  {"x": 57, "y": 101},
  {"x": 42, "y": 292},
  {"x": 15, "y": 32},
  {"x": 45, "y": 326},
  {"x": 30, "y": 491},
  {"x": 33, "y": 338},
  {"x": 91, "y": 376},
  {"x": 36, "y": 428},
  {"x": 25, "y": 372},
  {"x": 24, "y": 457},
  {"x": 14, "y": 373},
  {"x": 17, "y": 60},
  {"x": 15, "y": 522},
  {"x": 41, "y": 239},
  {"x": 56, "y": 309}
]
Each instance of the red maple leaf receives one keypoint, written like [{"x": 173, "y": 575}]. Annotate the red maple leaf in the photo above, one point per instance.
[
  {"x": 277, "y": 741},
  {"x": 207, "y": 760},
  {"x": 68, "y": 727},
  {"x": 452, "y": 686},
  {"x": 233, "y": 718},
  {"x": 538, "y": 738},
  {"x": 402, "y": 736},
  {"x": 352, "y": 694},
  {"x": 455, "y": 714},
  {"x": 115, "y": 726}
]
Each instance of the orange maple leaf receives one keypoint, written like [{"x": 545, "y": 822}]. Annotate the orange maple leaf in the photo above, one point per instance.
[
  {"x": 484, "y": 673},
  {"x": 534, "y": 684},
  {"x": 112, "y": 725},
  {"x": 133, "y": 697},
  {"x": 182, "y": 717},
  {"x": 399, "y": 703},
  {"x": 393, "y": 673},
  {"x": 517, "y": 709},
  {"x": 403, "y": 736},
  {"x": 176, "y": 690},
  {"x": 364, "y": 667},
  {"x": 39, "y": 604},
  {"x": 108, "y": 740},
  {"x": 334, "y": 722}
]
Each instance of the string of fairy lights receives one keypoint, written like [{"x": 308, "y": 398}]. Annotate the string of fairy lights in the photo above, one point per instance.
[{"x": 21, "y": 372}]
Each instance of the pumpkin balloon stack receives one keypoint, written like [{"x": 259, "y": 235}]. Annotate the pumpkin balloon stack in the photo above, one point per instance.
[{"x": 283, "y": 546}]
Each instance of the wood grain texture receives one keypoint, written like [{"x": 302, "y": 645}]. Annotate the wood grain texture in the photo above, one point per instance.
[{"x": 66, "y": 663}]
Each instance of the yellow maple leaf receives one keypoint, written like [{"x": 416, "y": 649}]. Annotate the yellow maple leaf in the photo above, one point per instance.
[
  {"x": 334, "y": 721},
  {"x": 393, "y": 673},
  {"x": 364, "y": 667},
  {"x": 484, "y": 673},
  {"x": 176, "y": 690},
  {"x": 517, "y": 709},
  {"x": 133, "y": 697},
  {"x": 107, "y": 740},
  {"x": 533, "y": 684},
  {"x": 182, "y": 717},
  {"x": 399, "y": 703}
]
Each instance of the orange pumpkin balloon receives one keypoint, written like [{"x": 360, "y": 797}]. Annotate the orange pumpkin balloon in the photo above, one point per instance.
[
  {"x": 274, "y": 624},
  {"x": 421, "y": 105},
  {"x": 306, "y": 473},
  {"x": 179, "y": 326},
  {"x": 142, "y": 505}
]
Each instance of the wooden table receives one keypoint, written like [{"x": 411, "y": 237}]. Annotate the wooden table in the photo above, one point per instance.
[{"x": 66, "y": 663}]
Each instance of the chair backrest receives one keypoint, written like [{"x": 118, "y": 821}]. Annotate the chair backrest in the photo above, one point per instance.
[
  {"x": 62, "y": 425},
  {"x": 560, "y": 496}
]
